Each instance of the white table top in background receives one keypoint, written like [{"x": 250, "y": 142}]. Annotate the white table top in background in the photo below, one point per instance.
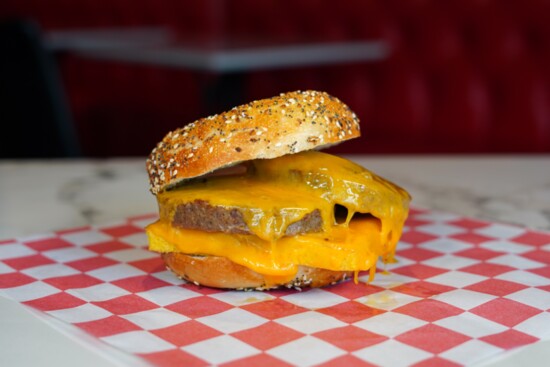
[{"x": 163, "y": 47}]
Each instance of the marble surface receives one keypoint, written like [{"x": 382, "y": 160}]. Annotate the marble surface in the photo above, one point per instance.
[{"x": 37, "y": 197}]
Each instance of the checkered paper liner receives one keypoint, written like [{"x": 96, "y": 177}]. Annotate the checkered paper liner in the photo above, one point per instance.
[{"x": 462, "y": 291}]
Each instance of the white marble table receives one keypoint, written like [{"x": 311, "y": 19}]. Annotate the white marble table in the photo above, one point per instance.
[{"x": 41, "y": 196}]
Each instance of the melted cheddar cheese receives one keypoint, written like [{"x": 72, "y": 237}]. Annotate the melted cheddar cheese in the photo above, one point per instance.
[{"x": 278, "y": 192}]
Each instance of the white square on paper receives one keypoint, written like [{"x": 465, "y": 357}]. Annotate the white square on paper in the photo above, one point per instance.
[
  {"x": 83, "y": 313},
  {"x": 400, "y": 261},
  {"x": 221, "y": 349},
  {"x": 506, "y": 246},
  {"x": 537, "y": 326},
  {"x": 232, "y": 320},
  {"x": 165, "y": 296},
  {"x": 402, "y": 245},
  {"x": 441, "y": 229},
  {"x": 390, "y": 324},
  {"x": 115, "y": 272},
  {"x": 139, "y": 341},
  {"x": 137, "y": 239},
  {"x": 450, "y": 262},
  {"x": 472, "y": 325},
  {"x": 84, "y": 238},
  {"x": 387, "y": 300},
  {"x": 99, "y": 292},
  {"x": 29, "y": 291},
  {"x": 501, "y": 231},
  {"x": 128, "y": 255},
  {"x": 67, "y": 254},
  {"x": 391, "y": 353},
  {"x": 310, "y": 322},
  {"x": 15, "y": 250},
  {"x": 471, "y": 352},
  {"x": 457, "y": 279},
  {"x": 156, "y": 318},
  {"x": 49, "y": 271},
  {"x": 463, "y": 298},
  {"x": 4, "y": 269},
  {"x": 314, "y": 299},
  {"x": 446, "y": 245},
  {"x": 532, "y": 297},
  {"x": 388, "y": 280},
  {"x": 237, "y": 298},
  {"x": 168, "y": 277},
  {"x": 306, "y": 351},
  {"x": 525, "y": 278},
  {"x": 515, "y": 261}
]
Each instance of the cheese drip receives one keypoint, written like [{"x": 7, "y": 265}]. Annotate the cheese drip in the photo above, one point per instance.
[
  {"x": 278, "y": 192},
  {"x": 340, "y": 181},
  {"x": 354, "y": 248}
]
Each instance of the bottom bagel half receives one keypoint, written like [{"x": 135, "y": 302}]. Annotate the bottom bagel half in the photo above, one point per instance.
[
  {"x": 220, "y": 272},
  {"x": 309, "y": 219}
]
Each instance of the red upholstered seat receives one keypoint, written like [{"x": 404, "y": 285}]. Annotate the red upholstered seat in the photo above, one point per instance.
[
  {"x": 402, "y": 107},
  {"x": 461, "y": 109},
  {"x": 522, "y": 111}
]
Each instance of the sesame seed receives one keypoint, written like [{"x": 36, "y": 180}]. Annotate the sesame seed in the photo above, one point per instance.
[
  {"x": 210, "y": 150},
  {"x": 190, "y": 155},
  {"x": 258, "y": 132}
]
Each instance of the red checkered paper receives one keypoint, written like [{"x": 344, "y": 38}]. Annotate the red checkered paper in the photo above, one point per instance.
[{"x": 461, "y": 291}]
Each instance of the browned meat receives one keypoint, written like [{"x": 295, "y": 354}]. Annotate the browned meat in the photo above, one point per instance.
[{"x": 200, "y": 215}]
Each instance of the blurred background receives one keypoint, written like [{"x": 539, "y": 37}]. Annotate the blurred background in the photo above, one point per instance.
[{"x": 100, "y": 78}]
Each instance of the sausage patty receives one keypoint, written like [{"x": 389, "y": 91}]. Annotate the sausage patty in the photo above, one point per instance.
[{"x": 200, "y": 215}]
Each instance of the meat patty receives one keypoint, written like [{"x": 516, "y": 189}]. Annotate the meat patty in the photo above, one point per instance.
[{"x": 202, "y": 216}]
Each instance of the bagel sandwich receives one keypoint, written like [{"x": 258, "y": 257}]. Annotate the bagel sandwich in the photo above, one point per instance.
[{"x": 246, "y": 200}]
